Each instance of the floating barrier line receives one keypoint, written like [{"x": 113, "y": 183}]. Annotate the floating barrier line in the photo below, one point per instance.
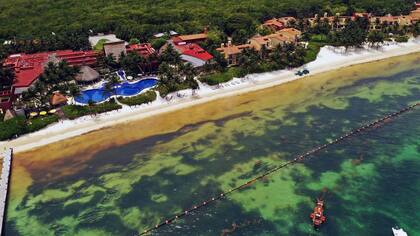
[{"x": 297, "y": 159}]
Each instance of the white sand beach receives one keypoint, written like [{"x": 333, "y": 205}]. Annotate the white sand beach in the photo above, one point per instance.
[{"x": 328, "y": 59}]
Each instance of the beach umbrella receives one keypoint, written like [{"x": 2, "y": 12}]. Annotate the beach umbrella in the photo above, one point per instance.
[{"x": 43, "y": 113}]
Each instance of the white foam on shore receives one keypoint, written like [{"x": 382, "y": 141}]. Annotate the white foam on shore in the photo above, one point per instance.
[
  {"x": 329, "y": 58},
  {"x": 4, "y": 183}
]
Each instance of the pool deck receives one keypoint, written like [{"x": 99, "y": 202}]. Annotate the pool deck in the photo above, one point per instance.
[{"x": 4, "y": 183}]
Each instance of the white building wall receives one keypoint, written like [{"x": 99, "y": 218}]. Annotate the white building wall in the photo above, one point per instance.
[
  {"x": 193, "y": 60},
  {"x": 21, "y": 90}
]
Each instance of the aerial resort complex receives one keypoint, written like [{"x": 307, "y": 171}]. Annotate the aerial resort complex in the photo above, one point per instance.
[{"x": 210, "y": 118}]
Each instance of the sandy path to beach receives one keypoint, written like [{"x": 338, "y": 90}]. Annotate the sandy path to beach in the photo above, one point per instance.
[{"x": 328, "y": 59}]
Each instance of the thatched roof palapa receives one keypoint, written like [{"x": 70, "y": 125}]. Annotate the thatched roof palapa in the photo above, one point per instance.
[
  {"x": 87, "y": 74},
  {"x": 10, "y": 114},
  {"x": 58, "y": 99}
]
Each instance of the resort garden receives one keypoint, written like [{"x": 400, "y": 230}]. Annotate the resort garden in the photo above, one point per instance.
[
  {"x": 55, "y": 94},
  {"x": 354, "y": 34}
]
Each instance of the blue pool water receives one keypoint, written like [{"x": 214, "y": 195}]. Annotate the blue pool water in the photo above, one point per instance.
[{"x": 123, "y": 89}]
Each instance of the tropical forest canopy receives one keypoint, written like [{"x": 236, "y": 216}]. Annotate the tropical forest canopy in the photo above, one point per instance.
[{"x": 27, "y": 19}]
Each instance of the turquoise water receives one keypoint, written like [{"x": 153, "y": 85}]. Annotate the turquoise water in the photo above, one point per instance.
[{"x": 372, "y": 181}]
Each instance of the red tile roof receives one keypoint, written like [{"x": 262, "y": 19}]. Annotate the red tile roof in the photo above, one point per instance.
[
  {"x": 274, "y": 23},
  {"x": 233, "y": 49},
  {"x": 78, "y": 58},
  {"x": 190, "y": 38},
  {"x": 28, "y": 67},
  {"x": 415, "y": 15},
  {"x": 143, "y": 49},
  {"x": 193, "y": 50}
]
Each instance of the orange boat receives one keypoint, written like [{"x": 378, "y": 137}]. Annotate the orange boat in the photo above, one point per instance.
[{"x": 317, "y": 216}]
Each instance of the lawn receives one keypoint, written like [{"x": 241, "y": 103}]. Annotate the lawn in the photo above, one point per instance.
[
  {"x": 75, "y": 111},
  {"x": 312, "y": 51},
  {"x": 19, "y": 125},
  {"x": 220, "y": 77},
  {"x": 143, "y": 98},
  {"x": 100, "y": 45}
]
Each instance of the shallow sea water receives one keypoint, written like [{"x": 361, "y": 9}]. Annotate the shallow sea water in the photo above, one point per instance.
[{"x": 120, "y": 181}]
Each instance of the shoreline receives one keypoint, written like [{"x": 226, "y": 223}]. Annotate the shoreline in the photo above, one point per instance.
[{"x": 328, "y": 59}]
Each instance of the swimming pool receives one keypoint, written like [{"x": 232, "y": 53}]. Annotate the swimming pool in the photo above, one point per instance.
[{"x": 123, "y": 89}]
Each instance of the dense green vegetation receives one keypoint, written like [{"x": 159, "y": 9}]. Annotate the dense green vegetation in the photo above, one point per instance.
[
  {"x": 173, "y": 73},
  {"x": 355, "y": 33},
  {"x": 19, "y": 125},
  {"x": 142, "y": 18},
  {"x": 6, "y": 77},
  {"x": 164, "y": 89},
  {"x": 312, "y": 51},
  {"x": 43, "y": 25},
  {"x": 146, "y": 97},
  {"x": 12, "y": 127},
  {"x": 74, "y": 111},
  {"x": 40, "y": 122},
  {"x": 401, "y": 38},
  {"x": 217, "y": 78}
]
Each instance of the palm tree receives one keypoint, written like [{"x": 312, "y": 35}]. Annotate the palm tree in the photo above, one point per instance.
[
  {"x": 169, "y": 74},
  {"x": 264, "y": 52},
  {"x": 151, "y": 60},
  {"x": 131, "y": 63},
  {"x": 110, "y": 62},
  {"x": 306, "y": 24},
  {"x": 377, "y": 23},
  {"x": 336, "y": 22},
  {"x": 292, "y": 23},
  {"x": 277, "y": 56},
  {"x": 170, "y": 55},
  {"x": 249, "y": 61},
  {"x": 111, "y": 82},
  {"x": 7, "y": 76},
  {"x": 41, "y": 92},
  {"x": 300, "y": 25},
  {"x": 289, "y": 47},
  {"x": 405, "y": 29},
  {"x": 416, "y": 29},
  {"x": 317, "y": 19},
  {"x": 375, "y": 38},
  {"x": 188, "y": 71},
  {"x": 74, "y": 91},
  {"x": 32, "y": 97}
]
